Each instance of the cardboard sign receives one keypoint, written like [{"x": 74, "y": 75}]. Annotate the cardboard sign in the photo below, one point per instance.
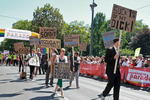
[
  {"x": 34, "y": 61},
  {"x": 47, "y": 33},
  {"x": 51, "y": 43},
  {"x": 62, "y": 70},
  {"x": 123, "y": 18},
  {"x": 72, "y": 40},
  {"x": 83, "y": 46},
  {"x": 108, "y": 39},
  {"x": 18, "y": 45},
  {"x": 38, "y": 46},
  {"x": 24, "y": 50},
  {"x": 34, "y": 40}
]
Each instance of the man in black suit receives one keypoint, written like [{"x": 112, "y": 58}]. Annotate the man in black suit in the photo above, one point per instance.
[{"x": 113, "y": 79}]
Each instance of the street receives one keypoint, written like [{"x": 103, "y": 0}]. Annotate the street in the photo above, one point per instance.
[{"x": 12, "y": 88}]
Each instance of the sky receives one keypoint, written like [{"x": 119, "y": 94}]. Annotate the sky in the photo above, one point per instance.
[{"x": 70, "y": 9}]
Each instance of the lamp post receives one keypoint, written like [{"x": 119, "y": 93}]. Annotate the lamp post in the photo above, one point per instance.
[{"x": 92, "y": 8}]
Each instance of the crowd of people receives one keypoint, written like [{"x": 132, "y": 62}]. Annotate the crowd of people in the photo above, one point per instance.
[
  {"x": 46, "y": 62},
  {"x": 139, "y": 61}
]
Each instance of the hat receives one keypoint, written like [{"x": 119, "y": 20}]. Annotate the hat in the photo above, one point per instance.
[
  {"x": 62, "y": 49},
  {"x": 140, "y": 55}
]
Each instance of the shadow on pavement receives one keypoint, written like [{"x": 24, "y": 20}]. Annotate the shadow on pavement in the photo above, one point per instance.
[
  {"x": 99, "y": 96},
  {"x": 35, "y": 88},
  {"x": 51, "y": 97},
  {"x": 10, "y": 95},
  {"x": 11, "y": 73},
  {"x": 3, "y": 82},
  {"x": 6, "y": 80}
]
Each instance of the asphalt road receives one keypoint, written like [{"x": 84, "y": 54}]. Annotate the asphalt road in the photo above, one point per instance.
[{"x": 12, "y": 88}]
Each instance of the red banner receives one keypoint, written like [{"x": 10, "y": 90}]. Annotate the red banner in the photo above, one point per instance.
[
  {"x": 135, "y": 76},
  {"x": 138, "y": 76}
]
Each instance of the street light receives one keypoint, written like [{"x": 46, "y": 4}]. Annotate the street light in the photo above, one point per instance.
[{"x": 92, "y": 8}]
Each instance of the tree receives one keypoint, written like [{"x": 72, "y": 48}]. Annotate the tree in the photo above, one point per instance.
[
  {"x": 141, "y": 39},
  {"x": 48, "y": 16},
  {"x": 100, "y": 26},
  {"x": 8, "y": 44},
  {"x": 22, "y": 24},
  {"x": 76, "y": 27}
]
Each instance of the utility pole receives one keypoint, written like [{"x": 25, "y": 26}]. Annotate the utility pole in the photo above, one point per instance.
[{"x": 92, "y": 8}]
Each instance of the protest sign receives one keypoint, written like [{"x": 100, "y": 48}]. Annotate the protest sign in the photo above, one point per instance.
[
  {"x": 24, "y": 50},
  {"x": 108, "y": 39},
  {"x": 123, "y": 18},
  {"x": 51, "y": 43},
  {"x": 72, "y": 40},
  {"x": 17, "y": 34},
  {"x": 34, "y": 61},
  {"x": 62, "y": 70},
  {"x": 47, "y": 33},
  {"x": 34, "y": 40},
  {"x": 18, "y": 45},
  {"x": 83, "y": 46}
]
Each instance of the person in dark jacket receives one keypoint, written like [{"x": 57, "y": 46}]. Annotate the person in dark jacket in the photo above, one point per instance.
[
  {"x": 113, "y": 79},
  {"x": 75, "y": 69}
]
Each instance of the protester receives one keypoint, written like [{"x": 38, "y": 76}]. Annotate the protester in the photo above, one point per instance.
[
  {"x": 39, "y": 55},
  {"x": 9, "y": 59},
  {"x": 32, "y": 54},
  {"x": 0, "y": 59},
  {"x": 15, "y": 60},
  {"x": 113, "y": 79},
  {"x": 75, "y": 69},
  {"x": 60, "y": 58},
  {"x": 49, "y": 66},
  {"x": 41, "y": 65},
  {"x": 21, "y": 62}
]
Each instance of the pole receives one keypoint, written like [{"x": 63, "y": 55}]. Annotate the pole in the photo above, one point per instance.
[
  {"x": 73, "y": 54},
  {"x": 51, "y": 61},
  {"x": 92, "y": 8},
  {"x": 118, "y": 51}
]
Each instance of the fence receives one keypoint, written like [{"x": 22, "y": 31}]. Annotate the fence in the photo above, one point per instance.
[{"x": 135, "y": 76}]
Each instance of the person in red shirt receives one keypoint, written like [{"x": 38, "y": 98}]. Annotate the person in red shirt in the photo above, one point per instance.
[{"x": 132, "y": 65}]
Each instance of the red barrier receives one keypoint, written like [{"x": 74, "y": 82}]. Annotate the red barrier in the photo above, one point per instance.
[
  {"x": 135, "y": 76},
  {"x": 138, "y": 76}
]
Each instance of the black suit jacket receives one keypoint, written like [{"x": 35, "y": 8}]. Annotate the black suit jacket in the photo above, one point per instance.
[{"x": 109, "y": 59}]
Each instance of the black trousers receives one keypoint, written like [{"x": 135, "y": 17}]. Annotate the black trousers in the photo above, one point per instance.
[
  {"x": 8, "y": 61},
  {"x": 113, "y": 81},
  {"x": 31, "y": 71},
  {"x": 20, "y": 64},
  {"x": 15, "y": 63},
  {"x": 41, "y": 68},
  {"x": 47, "y": 76}
]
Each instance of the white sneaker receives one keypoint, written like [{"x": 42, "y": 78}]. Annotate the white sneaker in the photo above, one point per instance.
[{"x": 102, "y": 97}]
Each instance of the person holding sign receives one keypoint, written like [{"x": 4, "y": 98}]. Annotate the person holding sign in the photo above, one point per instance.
[
  {"x": 75, "y": 69},
  {"x": 49, "y": 68},
  {"x": 32, "y": 54},
  {"x": 113, "y": 79},
  {"x": 60, "y": 58}
]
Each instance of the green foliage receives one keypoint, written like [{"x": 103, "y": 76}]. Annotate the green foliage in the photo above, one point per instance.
[
  {"x": 48, "y": 16},
  {"x": 22, "y": 24},
  {"x": 142, "y": 39},
  {"x": 100, "y": 26},
  {"x": 127, "y": 52},
  {"x": 76, "y": 27}
]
